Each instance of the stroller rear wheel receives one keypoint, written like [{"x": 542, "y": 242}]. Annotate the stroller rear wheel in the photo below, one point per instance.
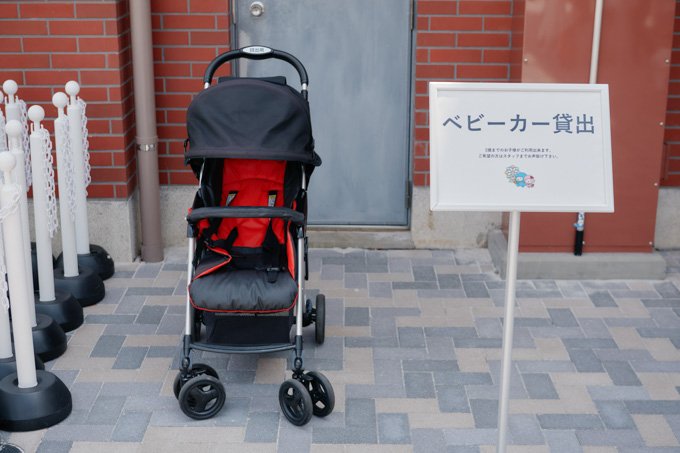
[
  {"x": 320, "y": 319},
  {"x": 321, "y": 391},
  {"x": 196, "y": 370},
  {"x": 202, "y": 397},
  {"x": 296, "y": 402}
]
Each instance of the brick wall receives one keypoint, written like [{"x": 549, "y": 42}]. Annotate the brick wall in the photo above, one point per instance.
[
  {"x": 43, "y": 45},
  {"x": 670, "y": 173},
  {"x": 463, "y": 40},
  {"x": 187, "y": 35}
]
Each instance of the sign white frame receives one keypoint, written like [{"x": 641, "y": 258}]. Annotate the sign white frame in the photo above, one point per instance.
[{"x": 602, "y": 197}]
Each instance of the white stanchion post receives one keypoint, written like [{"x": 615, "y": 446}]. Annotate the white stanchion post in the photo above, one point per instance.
[
  {"x": 3, "y": 135},
  {"x": 5, "y": 335},
  {"x": 67, "y": 195},
  {"x": 43, "y": 201},
  {"x": 508, "y": 329},
  {"x": 12, "y": 235},
  {"x": 75, "y": 120},
  {"x": 15, "y": 109},
  {"x": 14, "y": 131}
]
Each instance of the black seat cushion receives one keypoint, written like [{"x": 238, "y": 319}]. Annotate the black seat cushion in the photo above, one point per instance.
[{"x": 244, "y": 291}]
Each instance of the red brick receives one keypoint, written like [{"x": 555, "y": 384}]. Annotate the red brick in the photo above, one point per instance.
[
  {"x": 672, "y": 119},
  {"x": 435, "y": 39},
  {"x": 434, "y": 71},
  {"x": 184, "y": 177},
  {"x": 23, "y": 27},
  {"x": 37, "y": 94},
  {"x": 437, "y": 7},
  {"x": 107, "y": 142},
  {"x": 421, "y": 87},
  {"x": 169, "y": 6},
  {"x": 182, "y": 22},
  {"x": 99, "y": 127},
  {"x": 455, "y": 23},
  {"x": 50, "y": 44},
  {"x": 171, "y": 163},
  {"x": 76, "y": 27},
  {"x": 189, "y": 53},
  {"x": 78, "y": 61},
  {"x": 124, "y": 191},
  {"x": 96, "y": 10},
  {"x": 210, "y": 37},
  {"x": 109, "y": 110},
  {"x": 101, "y": 77},
  {"x": 52, "y": 77},
  {"x": 10, "y": 44},
  {"x": 420, "y": 149},
  {"x": 222, "y": 22},
  {"x": 170, "y": 38},
  {"x": 422, "y": 23},
  {"x": 671, "y": 134},
  {"x": 100, "y": 158},
  {"x": 422, "y": 102},
  {"x": 484, "y": 40},
  {"x": 169, "y": 132},
  {"x": 93, "y": 94},
  {"x": 46, "y": 10},
  {"x": 421, "y": 179},
  {"x": 497, "y": 23},
  {"x": 421, "y": 118},
  {"x": 674, "y": 166},
  {"x": 100, "y": 191},
  {"x": 9, "y": 11},
  {"x": 176, "y": 116},
  {"x": 421, "y": 164},
  {"x": 176, "y": 147},
  {"x": 482, "y": 72},
  {"x": 25, "y": 61},
  {"x": 455, "y": 56},
  {"x": 496, "y": 56},
  {"x": 422, "y": 56},
  {"x": 671, "y": 181},
  {"x": 485, "y": 7},
  {"x": 99, "y": 44},
  {"x": 185, "y": 85},
  {"x": 17, "y": 76},
  {"x": 173, "y": 100},
  {"x": 209, "y": 6}
]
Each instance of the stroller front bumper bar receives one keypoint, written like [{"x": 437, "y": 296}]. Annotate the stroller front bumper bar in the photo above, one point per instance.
[{"x": 296, "y": 217}]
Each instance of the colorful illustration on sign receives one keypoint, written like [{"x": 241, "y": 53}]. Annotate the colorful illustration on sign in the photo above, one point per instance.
[{"x": 519, "y": 178}]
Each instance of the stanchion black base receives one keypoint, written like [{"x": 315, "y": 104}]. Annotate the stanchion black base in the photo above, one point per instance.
[
  {"x": 31, "y": 409},
  {"x": 88, "y": 287},
  {"x": 9, "y": 366},
  {"x": 98, "y": 260},
  {"x": 64, "y": 309},
  {"x": 49, "y": 340}
]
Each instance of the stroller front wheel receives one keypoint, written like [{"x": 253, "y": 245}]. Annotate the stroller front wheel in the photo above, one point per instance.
[
  {"x": 295, "y": 401},
  {"x": 321, "y": 391},
  {"x": 202, "y": 397},
  {"x": 197, "y": 369}
]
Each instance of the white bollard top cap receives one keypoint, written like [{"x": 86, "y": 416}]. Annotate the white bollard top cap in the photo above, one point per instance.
[
  {"x": 36, "y": 114},
  {"x": 14, "y": 129},
  {"x": 60, "y": 100},
  {"x": 10, "y": 87},
  {"x": 7, "y": 163},
  {"x": 72, "y": 88}
]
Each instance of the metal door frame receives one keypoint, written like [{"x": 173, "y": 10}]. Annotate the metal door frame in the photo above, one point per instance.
[{"x": 233, "y": 36}]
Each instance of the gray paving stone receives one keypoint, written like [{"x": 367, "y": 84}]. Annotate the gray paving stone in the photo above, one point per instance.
[
  {"x": 538, "y": 294},
  {"x": 427, "y": 440},
  {"x": 109, "y": 319},
  {"x": 594, "y": 328},
  {"x": 633, "y": 294},
  {"x": 485, "y": 413},
  {"x": 411, "y": 337},
  {"x": 589, "y": 343},
  {"x": 106, "y": 410},
  {"x": 602, "y": 299},
  {"x": 413, "y": 285},
  {"x": 562, "y": 317},
  {"x": 262, "y": 427},
  {"x": 349, "y": 435},
  {"x": 130, "y": 305},
  {"x": 621, "y": 373},
  {"x": 54, "y": 446},
  {"x": 130, "y": 389},
  {"x": 112, "y": 295},
  {"x": 461, "y": 378},
  {"x": 539, "y": 386},
  {"x": 462, "y": 449},
  {"x": 489, "y": 327},
  {"x": 585, "y": 361},
  {"x": 571, "y": 289},
  {"x": 430, "y": 365},
  {"x": 356, "y": 281},
  {"x": 482, "y": 343},
  {"x": 131, "y": 427},
  {"x": 357, "y": 316},
  {"x": 424, "y": 274},
  {"x": 467, "y": 437},
  {"x": 148, "y": 270},
  {"x": 524, "y": 430},
  {"x": 453, "y": 332},
  {"x": 393, "y": 429},
  {"x": 615, "y": 438},
  {"x": 474, "y": 289},
  {"x": 75, "y": 433},
  {"x": 615, "y": 415},
  {"x": 617, "y": 393},
  {"x": 452, "y": 398},
  {"x": 380, "y": 289},
  {"x": 569, "y": 421},
  {"x": 545, "y": 366},
  {"x": 449, "y": 281},
  {"x": 360, "y": 412},
  {"x": 419, "y": 385},
  {"x": 171, "y": 325},
  {"x": 151, "y": 314},
  {"x": 661, "y": 303},
  {"x": 532, "y": 322},
  {"x": 163, "y": 351},
  {"x": 130, "y": 358},
  {"x": 653, "y": 407},
  {"x": 332, "y": 272},
  {"x": 108, "y": 346},
  {"x": 562, "y": 441},
  {"x": 149, "y": 291}
]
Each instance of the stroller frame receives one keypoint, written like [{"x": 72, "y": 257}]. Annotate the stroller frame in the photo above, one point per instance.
[{"x": 197, "y": 387}]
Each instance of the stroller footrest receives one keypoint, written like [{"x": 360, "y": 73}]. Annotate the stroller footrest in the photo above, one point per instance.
[{"x": 250, "y": 291}]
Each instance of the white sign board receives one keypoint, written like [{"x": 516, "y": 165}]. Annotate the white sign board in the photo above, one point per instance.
[{"x": 520, "y": 147}]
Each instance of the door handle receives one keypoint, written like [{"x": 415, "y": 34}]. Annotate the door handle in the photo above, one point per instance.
[{"x": 256, "y": 9}]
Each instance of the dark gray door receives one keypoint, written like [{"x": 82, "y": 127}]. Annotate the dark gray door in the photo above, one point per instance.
[{"x": 358, "y": 56}]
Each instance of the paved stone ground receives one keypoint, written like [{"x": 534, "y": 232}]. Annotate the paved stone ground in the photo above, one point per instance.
[{"x": 413, "y": 351}]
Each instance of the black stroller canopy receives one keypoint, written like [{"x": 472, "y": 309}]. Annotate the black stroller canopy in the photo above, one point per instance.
[{"x": 250, "y": 119}]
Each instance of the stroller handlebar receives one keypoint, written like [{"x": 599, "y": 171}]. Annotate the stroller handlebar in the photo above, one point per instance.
[
  {"x": 256, "y": 53},
  {"x": 246, "y": 212}
]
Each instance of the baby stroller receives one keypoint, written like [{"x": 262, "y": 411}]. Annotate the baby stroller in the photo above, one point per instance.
[{"x": 250, "y": 145}]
